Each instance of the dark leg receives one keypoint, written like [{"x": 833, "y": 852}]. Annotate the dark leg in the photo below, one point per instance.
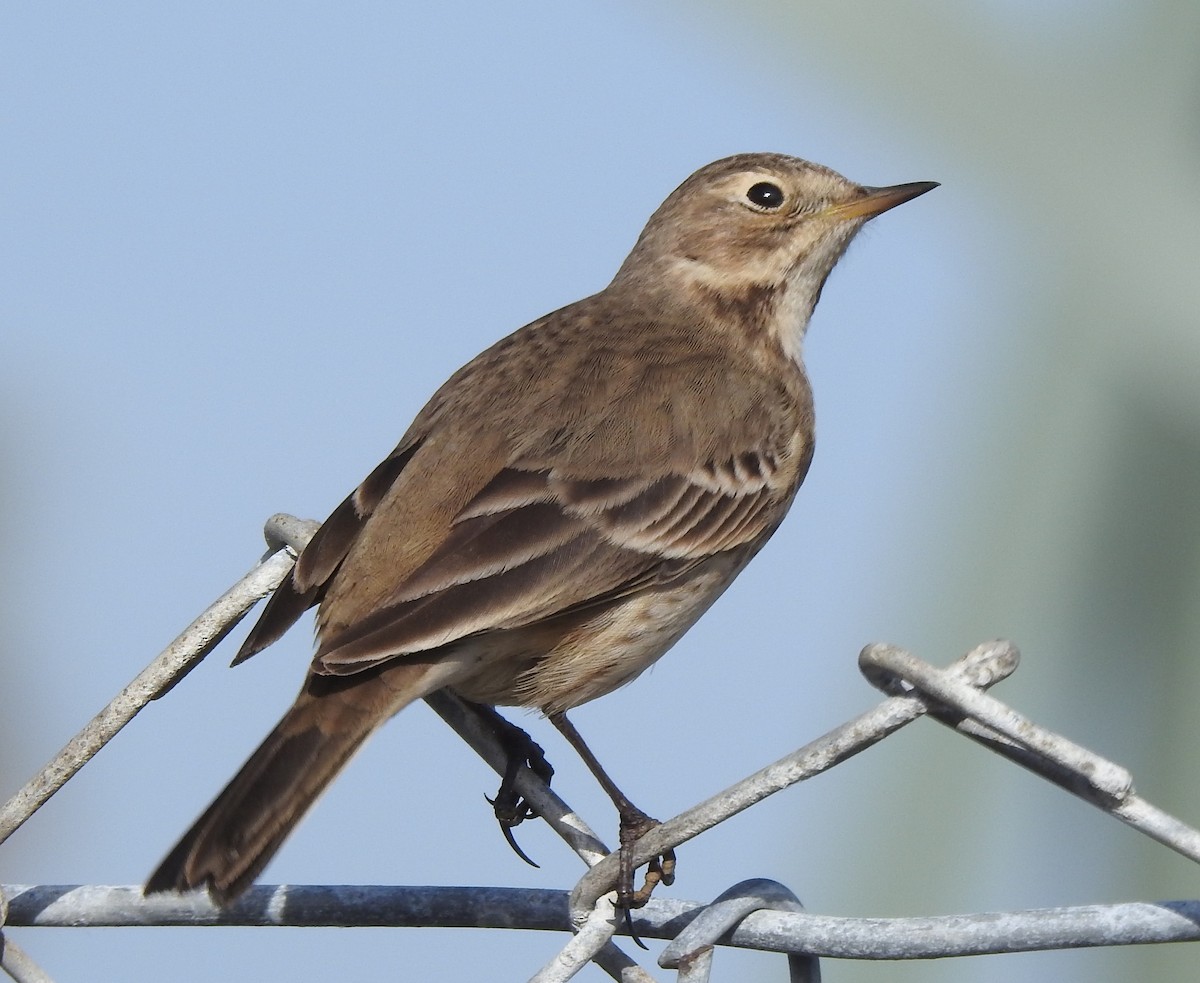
[
  {"x": 634, "y": 824},
  {"x": 510, "y": 809}
]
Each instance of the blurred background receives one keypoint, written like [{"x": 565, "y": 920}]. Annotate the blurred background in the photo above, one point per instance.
[{"x": 244, "y": 243}]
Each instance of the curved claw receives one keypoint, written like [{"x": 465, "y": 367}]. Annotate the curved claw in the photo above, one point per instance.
[
  {"x": 512, "y": 842},
  {"x": 509, "y": 814},
  {"x": 633, "y": 936},
  {"x": 661, "y": 870}
]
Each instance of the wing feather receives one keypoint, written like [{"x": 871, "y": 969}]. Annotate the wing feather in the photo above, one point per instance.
[
  {"x": 326, "y": 550},
  {"x": 533, "y": 545},
  {"x": 320, "y": 559}
]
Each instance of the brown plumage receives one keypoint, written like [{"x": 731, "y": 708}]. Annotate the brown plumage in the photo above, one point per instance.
[{"x": 567, "y": 504}]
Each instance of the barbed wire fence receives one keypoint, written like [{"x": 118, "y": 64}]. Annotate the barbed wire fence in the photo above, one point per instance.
[{"x": 758, "y": 914}]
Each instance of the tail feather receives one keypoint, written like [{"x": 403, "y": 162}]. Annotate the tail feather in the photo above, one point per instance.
[{"x": 236, "y": 837}]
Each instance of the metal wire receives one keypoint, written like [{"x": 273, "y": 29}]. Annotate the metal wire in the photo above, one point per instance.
[
  {"x": 13, "y": 960},
  {"x": 984, "y": 666},
  {"x": 805, "y": 933},
  {"x": 1000, "y": 728},
  {"x": 691, "y": 950},
  {"x": 757, "y": 914},
  {"x": 171, "y": 665}
]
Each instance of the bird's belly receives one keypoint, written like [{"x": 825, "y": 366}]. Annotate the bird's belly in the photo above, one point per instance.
[{"x": 561, "y": 664}]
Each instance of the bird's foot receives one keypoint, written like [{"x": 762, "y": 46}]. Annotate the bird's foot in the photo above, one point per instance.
[
  {"x": 509, "y": 807},
  {"x": 661, "y": 870}
]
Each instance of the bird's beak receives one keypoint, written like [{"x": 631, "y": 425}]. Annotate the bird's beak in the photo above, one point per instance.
[{"x": 873, "y": 201}]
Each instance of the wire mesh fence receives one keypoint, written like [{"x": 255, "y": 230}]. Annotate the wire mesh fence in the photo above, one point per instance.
[{"x": 758, "y": 914}]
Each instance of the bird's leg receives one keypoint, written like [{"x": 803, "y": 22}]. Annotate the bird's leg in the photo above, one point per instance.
[
  {"x": 510, "y": 809},
  {"x": 634, "y": 825}
]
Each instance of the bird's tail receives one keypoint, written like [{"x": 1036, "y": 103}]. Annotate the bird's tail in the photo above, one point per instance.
[{"x": 236, "y": 837}]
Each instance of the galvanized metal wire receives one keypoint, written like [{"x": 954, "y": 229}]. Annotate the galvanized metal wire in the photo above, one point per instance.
[
  {"x": 770, "y": 930},
  {"x": 754, "y": 914}
]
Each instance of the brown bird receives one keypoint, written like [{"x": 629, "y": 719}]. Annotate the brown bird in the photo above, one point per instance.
[{"x": 567, "y": 505}]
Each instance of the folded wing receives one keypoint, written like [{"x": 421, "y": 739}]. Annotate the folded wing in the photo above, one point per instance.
[{"x": 535, "y": 544}]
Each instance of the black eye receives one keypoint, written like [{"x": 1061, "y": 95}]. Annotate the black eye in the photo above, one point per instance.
[{"x": 765, "y": 195}]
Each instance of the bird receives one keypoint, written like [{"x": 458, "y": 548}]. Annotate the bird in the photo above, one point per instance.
[{"x": 566, "y": 506}]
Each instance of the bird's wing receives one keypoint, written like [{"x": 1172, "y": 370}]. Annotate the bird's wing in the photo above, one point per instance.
[
  {"x": 320, "y": 559},
  {"x": 536, "y": 544},
  {"x": 513, "y": 500}
]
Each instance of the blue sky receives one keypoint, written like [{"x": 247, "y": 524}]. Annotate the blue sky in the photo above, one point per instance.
[{"x": 244, "y": 244}]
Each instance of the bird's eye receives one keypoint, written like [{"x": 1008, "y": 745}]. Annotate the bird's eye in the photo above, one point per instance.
[{"x": 765, "y": 195}]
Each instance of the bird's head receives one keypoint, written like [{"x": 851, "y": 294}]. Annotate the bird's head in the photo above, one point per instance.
[{"x": 755, "y": 235}]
